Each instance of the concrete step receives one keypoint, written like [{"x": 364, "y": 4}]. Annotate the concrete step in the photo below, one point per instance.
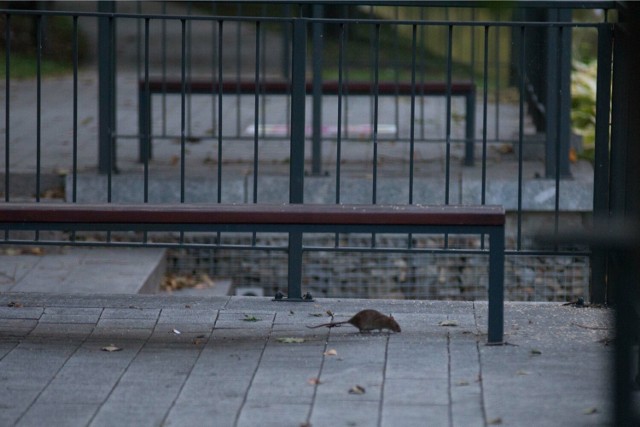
[{"x": 84, "y": 271}]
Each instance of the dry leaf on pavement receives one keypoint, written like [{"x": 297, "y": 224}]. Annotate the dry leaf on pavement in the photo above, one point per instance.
[
  {"x": 290, "y": 340},
  {"x": 356, "y": 389},
  {"x": 448, "y": 323}
]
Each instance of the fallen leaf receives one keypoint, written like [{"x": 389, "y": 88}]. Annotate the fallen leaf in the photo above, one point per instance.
[
  {"x": 314, "y": 381},
  {"x": 535, "y": 352},
  {"x": 495, "y": 421},
  {"x": 448, "y": 323},
  {"x": 248, "y": 318},
  {"x": 505, "y": 149},
  {"x": 177, "y": 332},
  {"x": 522, "y": 372},
  {"x": 15, "y": 304},
  {"x": 187, "y": 306},
  {"x": 331, "y": 352},
  {"x": 573, "y": 155},
  {"x": 462, "y": 383},
  {"x": 357, "y": 389},
  {"x": 111, "y": 348},
  {"x": 290, "y": 340},
  {"x": 316, "y": 314},
  {"x": 329, "y": 313},
  {"x": 34, "y": 251},
  {"x": 590, "y": 411}
]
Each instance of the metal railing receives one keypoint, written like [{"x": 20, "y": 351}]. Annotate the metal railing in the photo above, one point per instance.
[
  {"x": 420, "y": 161},
  {"x": 63, "y": 137}
]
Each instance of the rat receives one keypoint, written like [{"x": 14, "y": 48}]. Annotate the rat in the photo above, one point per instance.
[{"x": 367, "y": 320}]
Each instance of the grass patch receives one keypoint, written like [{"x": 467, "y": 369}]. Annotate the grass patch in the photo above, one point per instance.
[
  {"x": 57, "y": 35},
  {"x": 24, "y": 66}
]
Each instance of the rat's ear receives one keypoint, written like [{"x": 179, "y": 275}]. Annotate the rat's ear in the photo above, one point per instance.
[{"x": 390, "y": 315}]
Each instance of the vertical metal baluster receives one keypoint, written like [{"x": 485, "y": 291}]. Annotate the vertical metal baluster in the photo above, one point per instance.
[
  {"x": 220, "y": 45},
  {"x": 520, "y": 137},
  {"x": 317, "y": 29},
  {"x": 256, "y": 122},
  {"x": 164, "y": 74},
  {"x": 497, "y": 81},
  {"x": 38, "y": 105},
  {"x": 472, "y": 29},
  {"x": 559, "y": 128},
  {"x": 396, "y": 75},
  {"x": 146, "y": 136},
  {"x": 238, "y": 73},
  {"x": 448, "y": 124},
  {"x": 7, "y": 115},
  {"x": 74, "y": 168},
  {"x": 485, "y": 89},
  {"x": 448, "y": 118},
  {"x": 376, "y": 76},
  {"x": 345, "y": 73},
  {"x": 38, "y": 111},
  {"x": 256, "y": 115},
  {"x": 183, "y": 81},
  {"x": 423, "y": 70},
  {"x": 138, "y": 41},
  {"x": 188, "y": 53},
  {"x": 219, "y": 123},
  {"x": 214, "y": 56},
  {"x": 111, "y": 55},
  {"x": 74, "y": 173},
  {"x": 263, "y": 65},
  {"x": 339, "y": 132},
  {"x": 412, "y": 116}
]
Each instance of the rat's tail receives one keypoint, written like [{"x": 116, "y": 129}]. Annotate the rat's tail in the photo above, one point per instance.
[{"x": 328, "y": 325}]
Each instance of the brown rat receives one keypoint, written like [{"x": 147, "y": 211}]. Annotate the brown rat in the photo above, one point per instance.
[{"x": 367, "y": 320}]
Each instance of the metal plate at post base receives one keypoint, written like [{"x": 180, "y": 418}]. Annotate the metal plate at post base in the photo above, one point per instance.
[{"x": 307, "y": 297}]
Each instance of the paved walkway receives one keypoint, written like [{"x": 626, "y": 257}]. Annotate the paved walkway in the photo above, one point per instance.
[
  {"x": 224, "y": 369},
  {"x": 222, "y": 361}
]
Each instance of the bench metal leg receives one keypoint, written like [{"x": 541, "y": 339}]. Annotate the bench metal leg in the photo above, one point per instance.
[
  {"x": 496, "y": 286},
  {"x": 294, "y": 278}
]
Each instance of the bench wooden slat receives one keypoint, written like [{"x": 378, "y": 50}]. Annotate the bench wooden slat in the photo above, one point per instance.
[
  {"x": 328, "y": 87},
  {"x": 306, "y": 214}
]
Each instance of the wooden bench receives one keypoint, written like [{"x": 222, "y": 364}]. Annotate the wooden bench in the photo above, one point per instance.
[
  {"x": 147, "y": 89},
  {"x": 294, "y": 219}
]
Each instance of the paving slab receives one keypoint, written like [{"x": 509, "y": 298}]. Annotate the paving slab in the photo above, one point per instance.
[{"x": 228, "y": 366}]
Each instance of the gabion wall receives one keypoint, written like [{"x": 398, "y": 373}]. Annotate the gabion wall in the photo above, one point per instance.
[{"x": 386, "y": 275}]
